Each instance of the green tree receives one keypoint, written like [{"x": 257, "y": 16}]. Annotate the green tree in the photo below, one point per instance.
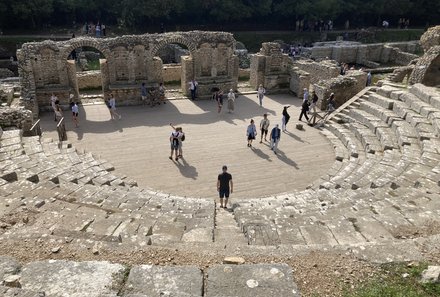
[{"x": 34, "y": 11}]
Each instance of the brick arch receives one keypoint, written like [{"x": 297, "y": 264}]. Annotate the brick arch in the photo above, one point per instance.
[
  {"x": 179, "y": 40},
  {"x": 85, "y": 41}
]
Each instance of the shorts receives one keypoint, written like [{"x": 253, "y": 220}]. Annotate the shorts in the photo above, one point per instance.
[
  {"x": 174, "y": 146},
  {"x": 264, "y": 131},
  {"x": 251, "y": 137},
  {"x": 223, "y": 193},
  {"x": 75, "y": 114},
  {"x": 144, "y": 98}
]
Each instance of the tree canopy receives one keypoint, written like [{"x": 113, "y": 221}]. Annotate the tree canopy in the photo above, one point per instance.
[{"x": 277, "y": 14}]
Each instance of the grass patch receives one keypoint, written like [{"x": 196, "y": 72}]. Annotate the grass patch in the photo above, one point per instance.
[
  {"x": 395, "y": 280},
  {"x": 243, "y": 78},
  {"x": 90, "y": 89},
  {"x": 93, "y": 65}
]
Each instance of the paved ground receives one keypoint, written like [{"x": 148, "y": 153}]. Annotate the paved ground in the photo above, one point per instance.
[{"x": 138, "y": 146}]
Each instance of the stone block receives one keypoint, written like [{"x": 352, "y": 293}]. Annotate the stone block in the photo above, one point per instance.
[
  {"x": 8, "y": 266},
  {"x": 259, "y": 280},
  {"x": 431, "y": 275},
  {"x": 73, "y": 279},
  {"x": 155, "y": 281}
]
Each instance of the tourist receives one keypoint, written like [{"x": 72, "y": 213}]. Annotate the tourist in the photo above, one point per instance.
[
  {"x": 193, "y": 88},
  {"x": 75, "y": 113},
  {"x": 219, "y": 99},
  {"x": 264, "y": 127},
  {"x": 260, "y": 94},
  {"x": 53, "y": 102},
  {"x": 58, "y": 113},
  {"x": 162, "y": 93},
  {"x": 98, "y": 30},
  {"x": 251, "y": 132},
  {"x": 103, "y": 28},
  {"x": 369, "y": 79},
  {"x": 304, "y": 110},
  {"x": 225, "y": 186},
  {"x": 86, "y": 28},
  {"x": 174, "y": 142},
  {"x": 286, "y": 118},
  {"x": 181, "y": 138},
  {"x": 331, "y": 106},
  {"x": 275, "y": 136},
  {"x": 112, "y": 107},
  {"x": 314, "y": 101},
  {"x": 144, "y": 93},
  {"x": 231, "y": 101},
  {"x": 306, "y": 95}
]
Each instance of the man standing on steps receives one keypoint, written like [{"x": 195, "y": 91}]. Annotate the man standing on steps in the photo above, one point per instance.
[{"x": 224, "y": 186}]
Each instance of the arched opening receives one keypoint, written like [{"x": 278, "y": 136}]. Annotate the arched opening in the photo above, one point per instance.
[
  {"x": 85, "y": 73},
  {"x": 175, "y": 57},
  {"x": 432, "y": 74}
]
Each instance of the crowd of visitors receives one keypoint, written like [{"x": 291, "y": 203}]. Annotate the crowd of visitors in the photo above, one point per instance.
[{"x": 97, "y": 30}]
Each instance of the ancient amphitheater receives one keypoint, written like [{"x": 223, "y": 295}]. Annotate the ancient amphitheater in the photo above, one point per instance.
[{"x": 69, "y": 226}]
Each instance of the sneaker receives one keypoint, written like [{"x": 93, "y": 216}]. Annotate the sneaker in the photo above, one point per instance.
[
  {"x": 171, "y": 158},
  {"x": 177, "y": 159}
]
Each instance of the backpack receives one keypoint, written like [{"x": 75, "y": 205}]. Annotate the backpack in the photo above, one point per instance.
[{"x": 183, "y": 137}]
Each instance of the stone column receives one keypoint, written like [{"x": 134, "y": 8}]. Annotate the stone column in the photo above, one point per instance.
[
  {"x": 105, "y": 78},
  {"x": 187, "y": 73},
  {"x": 72, "y": 79}
]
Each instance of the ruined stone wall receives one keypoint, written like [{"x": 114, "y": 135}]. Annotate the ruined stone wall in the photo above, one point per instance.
[
  {"x": 15, "y": 117},
  {"x": 129, "y": 61},
  {"x": 344, "y": 87},
  {"x": 427, "y": 69},
  {"x": 299, "y": 80},
  {"x": 318, "y": 70},
  {"x": 270, "y": 67},
  {"x": 172, "y": 72},
  {"x": 89, "y": 79},
  {"x": 366, "y": 54}
]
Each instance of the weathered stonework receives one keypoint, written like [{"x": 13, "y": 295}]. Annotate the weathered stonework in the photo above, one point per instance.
[
  {"x": 129, "y": 61},
  {"x": 430, "y": 38},
  {"x": 89, "y": 79},
  {"x": 270, "y": 67},
  {"x": 299, "y": 80},
  {"x": 15, "y": 117},
  {"x": 427, "y": 69},
  {"x": 369, "y": 55},
  {"x": 344, "y": 87}
]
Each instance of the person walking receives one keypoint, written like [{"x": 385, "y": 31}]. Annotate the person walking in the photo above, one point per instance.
[
  {"x": 314, "y": 101},
  {"x": 58, "y": 113},
  {"x": 53, "y": 103},
  {"x": 231, "y": 101},
  {"x": 225, "y": 186},
  {"x": 331, "y": 106},
  {"x": 219, "y": 99},
  {"x": 112, "y": 107},
  {"x": 144, "y": 93},
  {"x": 260, "y": 94},
  {"x": 306, "y": 95},
  {"x": 264, "y": 127},
  {"x": 251, "y": 132},
  {"x": 304, "y": 110},
  {"x": 174, "y": 142},
  {"x": 286, "y": 118},
  {"x": 162, "y": 93},
  {"x": 275, "y": 136},
  {"x": 193, "y": 88},
  {"x": 75, "y": 113}
]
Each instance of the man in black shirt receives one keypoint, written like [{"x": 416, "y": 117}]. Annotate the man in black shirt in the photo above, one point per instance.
[{"x": 224, "y": 186}]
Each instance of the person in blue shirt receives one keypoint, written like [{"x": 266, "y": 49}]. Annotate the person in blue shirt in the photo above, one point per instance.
[
  {"x": 275, "y": 136},
  {"x": 251, "y": 132}
]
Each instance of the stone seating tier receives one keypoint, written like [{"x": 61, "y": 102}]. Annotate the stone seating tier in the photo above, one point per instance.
[{"x": 378, "y": 192}]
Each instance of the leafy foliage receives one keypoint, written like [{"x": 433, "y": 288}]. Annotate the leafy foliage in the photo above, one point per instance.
[{"x": 143, "y": 14}]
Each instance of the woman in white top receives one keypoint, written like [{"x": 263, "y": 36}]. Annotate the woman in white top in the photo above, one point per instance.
[{"x": 231, "y": 101}]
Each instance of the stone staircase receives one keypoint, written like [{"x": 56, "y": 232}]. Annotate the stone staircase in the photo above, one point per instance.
[{"x": 383, "y": 186}]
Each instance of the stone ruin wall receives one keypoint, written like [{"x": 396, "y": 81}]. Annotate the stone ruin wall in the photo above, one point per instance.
[
  {"x": 344, "y": 87},
  {"x": 270, "y": 67},
  {"x": 365, "y": 54},
  {"x": 427, "y": 68},
  {"x": 129, "y": 61},
  {"x": 16, "y": 117}
]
